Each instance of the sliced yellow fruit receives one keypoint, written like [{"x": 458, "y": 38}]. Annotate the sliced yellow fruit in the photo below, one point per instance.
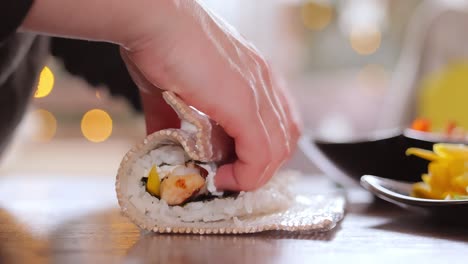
[
  {"x": 456, "y": 167},
  {"x": 454, "y": 151},
  {"x": 447, "y": 176},
  {"x": 422, "y": 190},
  {"x": 422, "y": 153},
  {"x": 460, "y": 184},
  {"x": 153, "y": 183},
  {"x": 426, "y": 179},
  {"x": 440, "y": 178}
]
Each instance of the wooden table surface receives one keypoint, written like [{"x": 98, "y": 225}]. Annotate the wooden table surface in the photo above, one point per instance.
[{"x": 52, "y": 219}]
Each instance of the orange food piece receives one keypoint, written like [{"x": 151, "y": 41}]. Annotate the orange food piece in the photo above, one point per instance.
[
  {"x": 421, "y": 124},
  {"x": 176, "y": 190}
]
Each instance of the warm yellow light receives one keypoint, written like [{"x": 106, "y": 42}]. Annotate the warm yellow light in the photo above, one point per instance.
[
  {"x": 47, "y": 125},
  {"x": 96, "y": 125},
  {"x": 373, "y": 76},
  {"x": 46, "y": 83},
  {"x": 98, "y": 95},
  {"x": 365, "y": 41},
  {"x": 316, "y": 16}
]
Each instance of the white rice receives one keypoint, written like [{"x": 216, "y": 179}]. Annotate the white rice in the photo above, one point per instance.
[{"x": 272, "y": 197}]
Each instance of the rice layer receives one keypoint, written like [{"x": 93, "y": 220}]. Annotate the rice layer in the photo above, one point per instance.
[{"x": 274, "y": 196}]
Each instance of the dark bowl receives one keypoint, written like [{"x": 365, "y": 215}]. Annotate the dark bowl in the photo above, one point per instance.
[{"x": 381, "y": 154}]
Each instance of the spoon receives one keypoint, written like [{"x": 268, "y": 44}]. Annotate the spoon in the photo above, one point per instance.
[{"x": 398, "y": 192}]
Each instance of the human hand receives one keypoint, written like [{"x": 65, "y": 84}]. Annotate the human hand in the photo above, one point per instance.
[
  {"x": 206, "y": 63},
  {"x": 177, "y": 45}
]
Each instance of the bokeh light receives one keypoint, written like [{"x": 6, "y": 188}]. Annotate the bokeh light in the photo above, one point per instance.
[
  {"x": 46, "y": 83},
  {"x": 47, "y": 125},
  {"x": 365, "y": 40},
  {"x": 96, "y": 125},
  {"x": 98, "y": 95},
  {"x": 316, "y": 16}
]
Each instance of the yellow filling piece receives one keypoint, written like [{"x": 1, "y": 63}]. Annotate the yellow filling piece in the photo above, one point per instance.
[{"x": 153, "y": 185}]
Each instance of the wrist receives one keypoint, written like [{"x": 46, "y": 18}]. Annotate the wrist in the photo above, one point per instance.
[
  {"x": 153, "y": 22},
  {"x": 120, "y": 22},
  {"x": 146, "y": 19}
]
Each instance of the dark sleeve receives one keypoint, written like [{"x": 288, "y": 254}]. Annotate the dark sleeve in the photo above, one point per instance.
[
  {"x": 22, "y": 56},
  {"x": 12, "y": 13},
  {"x": 99, "y": 63}
]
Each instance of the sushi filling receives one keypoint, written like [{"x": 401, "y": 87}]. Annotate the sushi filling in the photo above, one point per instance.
[{"x": 177, "y": 179}]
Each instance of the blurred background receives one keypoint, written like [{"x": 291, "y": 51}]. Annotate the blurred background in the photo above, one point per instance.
[{"x": 353, "y": 67}]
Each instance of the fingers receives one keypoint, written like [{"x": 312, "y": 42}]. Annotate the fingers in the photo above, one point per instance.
[
  {"x": 244, "y": 103},
  {"x": 258, "y": 163},
  {"x": 290, "y": 110},
  {"x": 282, "y": 128},
  {"x": 222, "y": 76},
  {"x": 278, "y": 123},
  {"x": 292, "y": 126},
  {"x": 248, "y": 126}
]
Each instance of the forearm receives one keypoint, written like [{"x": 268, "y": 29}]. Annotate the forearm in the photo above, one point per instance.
[{"x": 104, "y": 20}]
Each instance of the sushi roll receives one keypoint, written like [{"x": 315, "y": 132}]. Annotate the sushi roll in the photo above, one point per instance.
[
  {"x": 175, "y": 178},
  {"x": 168, "y": 179}
]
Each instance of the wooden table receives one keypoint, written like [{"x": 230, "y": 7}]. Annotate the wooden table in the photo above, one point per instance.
[{"x": 52, "y": 219}]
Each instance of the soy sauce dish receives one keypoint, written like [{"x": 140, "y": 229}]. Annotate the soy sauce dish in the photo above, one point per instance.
[
  {"x": 398, "y": 193},
  {"x": 384, "y": 155},
  {"x": 381, "y": 154}
]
